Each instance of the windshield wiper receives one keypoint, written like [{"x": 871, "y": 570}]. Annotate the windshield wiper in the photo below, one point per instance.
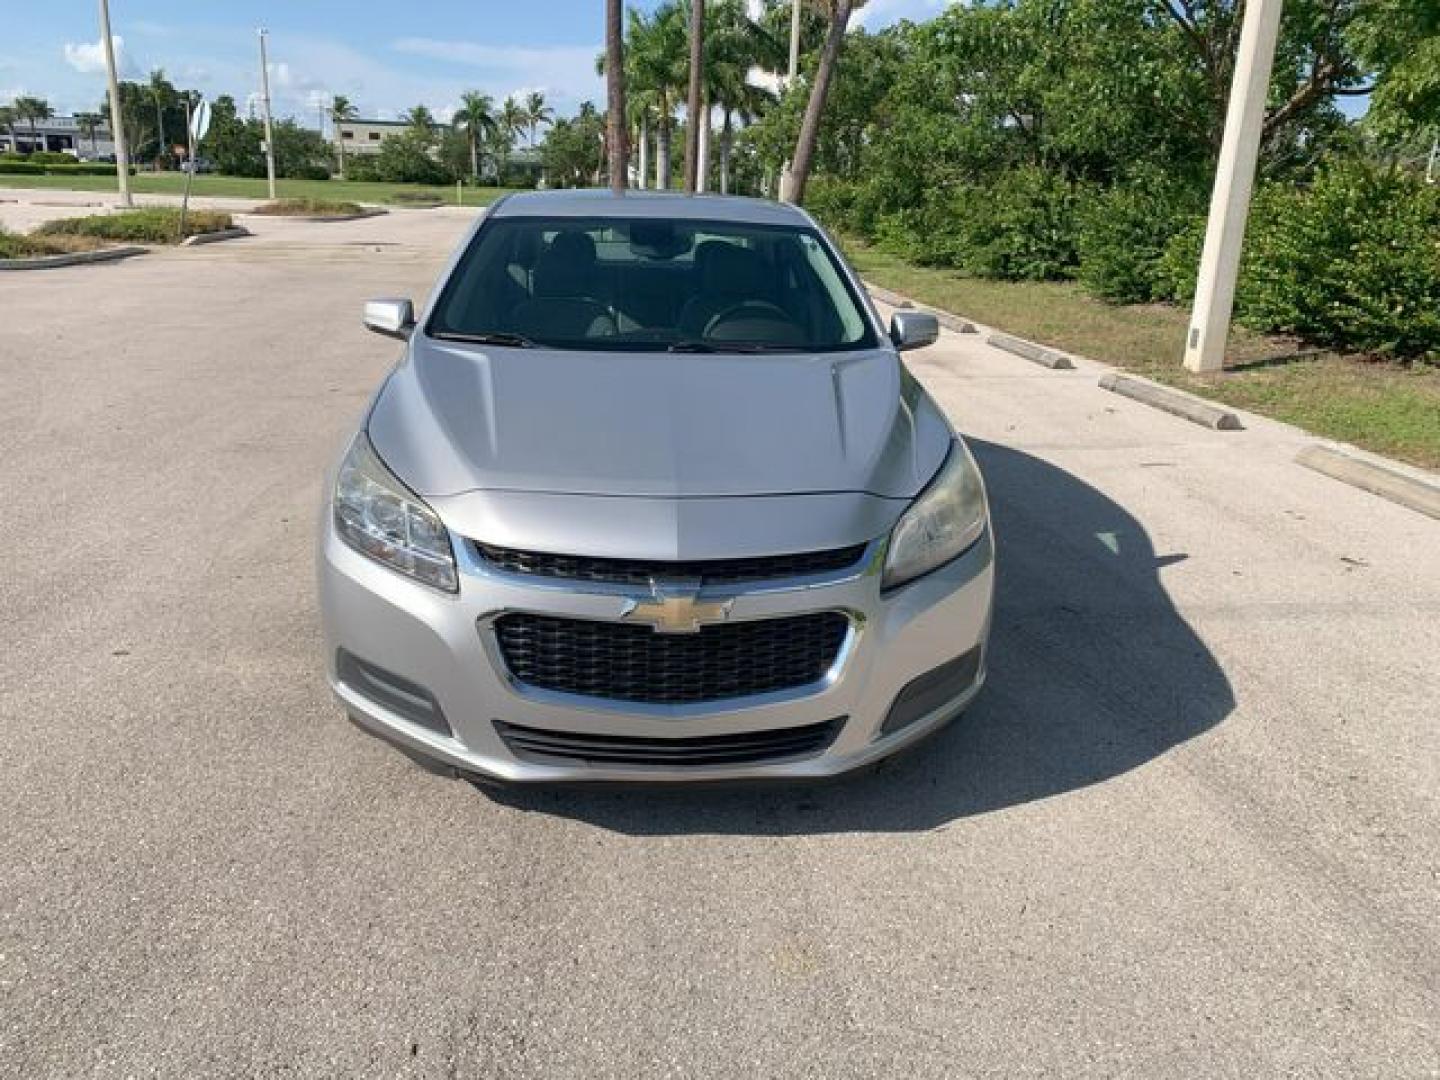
[
  {"x": 498, "y": 337},
  {"x": 694, "y": 346}
]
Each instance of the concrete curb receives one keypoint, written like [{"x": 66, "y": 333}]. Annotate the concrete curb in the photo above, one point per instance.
[
  {"x": 1388, "y": 483},
  {"x": 72, "y": 258},
  {"x": 215, "y": 237},
  {"x": 899, "y": 300},
  {"x": 1172, "y": 401},
  {"x": 1036, "y": 354}
]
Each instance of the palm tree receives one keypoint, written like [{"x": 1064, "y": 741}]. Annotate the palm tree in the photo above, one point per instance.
[
  {"x": 422, "y": 122},
  {"x": 735, "y": 45},
  {"x": 694, "y": 100},
  {"x": 537, "y": 112},
  {"x": 838, "y": 13},
  {"x": 160, "y": 91},
  {"x": 342, "y": 110},
  {"x": 477, "y": 116},
  {"x": 510, "y": 122},
  {"x": 32, "y": 110},
  {"x": 89, "y": 123},
  {"x": 617, "y": 121},
  {"x": 657, "y": 57}
]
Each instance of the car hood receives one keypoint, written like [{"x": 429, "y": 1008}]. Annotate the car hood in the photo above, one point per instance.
[{"x": 459, "y": 418}]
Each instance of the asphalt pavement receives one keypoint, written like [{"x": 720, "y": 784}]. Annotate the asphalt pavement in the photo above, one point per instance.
[{"x": 1189, "y": 829}]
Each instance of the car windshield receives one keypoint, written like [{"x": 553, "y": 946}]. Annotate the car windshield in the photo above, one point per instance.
[{"x": 650, "y": 284}]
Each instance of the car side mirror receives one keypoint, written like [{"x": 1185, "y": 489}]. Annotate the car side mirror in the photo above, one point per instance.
[
  {"x": 913, "y": 329},
  {"x": 391, "y": 317}
]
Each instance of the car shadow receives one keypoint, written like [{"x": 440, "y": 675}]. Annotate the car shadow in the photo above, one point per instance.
[{"x": 1092, "y": 673}]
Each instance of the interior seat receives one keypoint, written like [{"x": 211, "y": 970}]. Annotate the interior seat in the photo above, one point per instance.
[
  {"x": 729, "y": 275},
  {"x": 567, "y": 286}
]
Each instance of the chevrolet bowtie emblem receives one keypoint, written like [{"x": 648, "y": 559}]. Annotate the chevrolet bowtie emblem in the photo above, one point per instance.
[{"x": 673, "y": 607}]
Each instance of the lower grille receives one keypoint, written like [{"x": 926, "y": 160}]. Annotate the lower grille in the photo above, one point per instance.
[
  {"x": 626, "y": 662},
  {"x": 743, "y": 748},
  {"x": 710, "y": 572}
]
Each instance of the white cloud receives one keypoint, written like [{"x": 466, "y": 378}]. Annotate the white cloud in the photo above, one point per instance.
[{"x": 88, "y": 57}]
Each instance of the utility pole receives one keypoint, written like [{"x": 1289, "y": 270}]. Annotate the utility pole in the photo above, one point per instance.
[
  {"x": 265, "y": 112},
  {"x": 1234, "y": 179},
  {"x": 1430, "y": 163},
  {"x": 117, "y": 126}
]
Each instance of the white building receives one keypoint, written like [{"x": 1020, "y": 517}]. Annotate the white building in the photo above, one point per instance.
[{"x": 60, "y": 134}]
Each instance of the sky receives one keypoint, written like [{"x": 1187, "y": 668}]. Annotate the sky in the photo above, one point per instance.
[{"x": 385, "y": 57}]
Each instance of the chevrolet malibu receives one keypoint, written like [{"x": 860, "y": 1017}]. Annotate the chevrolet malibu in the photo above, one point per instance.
[{"x": 650, "y": 495}]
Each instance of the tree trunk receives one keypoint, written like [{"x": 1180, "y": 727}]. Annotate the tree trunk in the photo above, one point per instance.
[
  {"x": 615, "y": 94},
  {"x": 159, "y": 132},
  {"x": 643, "y": 174},
  {"x": 810, "y": 126},
  {"x": 693, "y": 102},
  {"x": 662, "y": 155},
  {"x": 340, "y": 150},
  {"x": 474, "y": 156},
  {"x": 727, "y": 135},
  {"x": 702, "y": 172}
]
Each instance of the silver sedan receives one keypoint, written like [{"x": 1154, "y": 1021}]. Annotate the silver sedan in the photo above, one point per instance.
[{"x": 650, "y": 495}]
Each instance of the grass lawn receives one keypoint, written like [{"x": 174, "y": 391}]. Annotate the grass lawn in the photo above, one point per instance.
[
  {"x": 246, "y": 187},
  {"x": 1382, "y": 407}
]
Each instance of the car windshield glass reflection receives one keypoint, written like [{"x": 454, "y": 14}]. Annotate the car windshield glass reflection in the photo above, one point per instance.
[{"x": 646, "y": 284}]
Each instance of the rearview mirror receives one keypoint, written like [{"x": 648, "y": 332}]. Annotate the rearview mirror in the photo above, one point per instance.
[
  {"x": 391, "y": 317},
  {"x": 913, "y": 329}
]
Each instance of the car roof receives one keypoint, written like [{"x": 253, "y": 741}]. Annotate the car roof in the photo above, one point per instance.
[{"x": 601, "y": 202}]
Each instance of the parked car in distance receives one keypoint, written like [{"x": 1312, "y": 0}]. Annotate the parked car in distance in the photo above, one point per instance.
[
  {"x": 651, "y": 495},
  {"x": 199, "y": 165}
]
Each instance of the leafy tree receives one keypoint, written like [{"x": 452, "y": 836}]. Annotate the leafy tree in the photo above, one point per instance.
[{"x": 571, "y": 150}]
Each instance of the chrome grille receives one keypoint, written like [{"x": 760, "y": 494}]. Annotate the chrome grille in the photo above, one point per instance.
[
  {"x": 640, "y": 571},
  {"x": 627, "y": 662}
]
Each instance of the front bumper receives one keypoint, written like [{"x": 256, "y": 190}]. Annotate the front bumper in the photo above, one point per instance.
[{"x": 445, "y": 645}]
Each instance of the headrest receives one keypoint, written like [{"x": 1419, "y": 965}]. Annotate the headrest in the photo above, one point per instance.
[{"x": 728, "y": 269}]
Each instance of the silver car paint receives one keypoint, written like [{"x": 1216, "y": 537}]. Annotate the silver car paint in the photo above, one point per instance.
[{"x": 660, "y": 456}]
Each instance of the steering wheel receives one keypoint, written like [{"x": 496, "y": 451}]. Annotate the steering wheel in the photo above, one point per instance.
[{"x": 752, "y": 311}]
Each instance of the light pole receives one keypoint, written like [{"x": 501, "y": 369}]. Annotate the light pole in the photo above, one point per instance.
[
  {"x": 117, "y": 127},
  {"x": 1234, "y": 179},
  {"x": 265, "y": 112}
]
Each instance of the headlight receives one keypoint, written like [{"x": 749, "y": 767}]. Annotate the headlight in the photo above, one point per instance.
[
  {"x": 943, "y": 521},
  {"x": 380, "y": 517}
]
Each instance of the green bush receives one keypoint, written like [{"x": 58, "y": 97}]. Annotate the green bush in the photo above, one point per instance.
[
  {"x": 1176, "y": 267},
  {"x": 309, "y": 207},
  {"x": 11, "y": 155},
  {"x": 1020, "y": 227},
  {"x": 1124, "y": 233},
  {"x": 152, "y": 225},
  {"x": 51, "y": 157},
  {"x": 84, "y": 168},
  {"x": 1353, "y": 262},
  {"x": 21, "y": 168}
]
